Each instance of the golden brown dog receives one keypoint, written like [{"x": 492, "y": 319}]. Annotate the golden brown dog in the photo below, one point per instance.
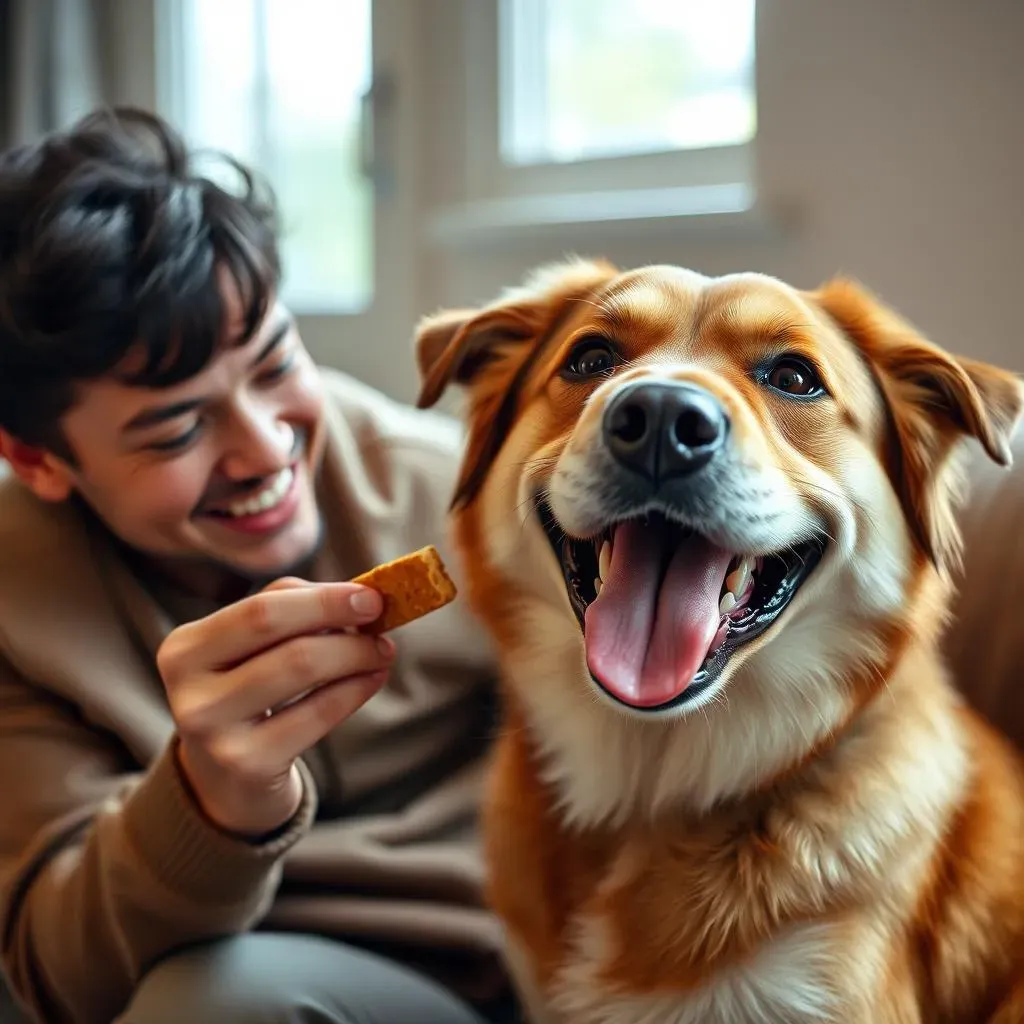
[{"x": 709, "y": 523}]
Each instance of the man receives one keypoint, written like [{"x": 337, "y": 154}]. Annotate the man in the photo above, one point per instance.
[{"x": 220, "y": 801}]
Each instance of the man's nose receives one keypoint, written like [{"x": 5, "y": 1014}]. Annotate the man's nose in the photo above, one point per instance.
[{"x": 261, "y": 444}]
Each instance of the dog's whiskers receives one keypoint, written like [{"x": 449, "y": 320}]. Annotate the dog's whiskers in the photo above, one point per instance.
[
  {"x": 601, "y": 307},
  {"x": 836, "y": 495}
]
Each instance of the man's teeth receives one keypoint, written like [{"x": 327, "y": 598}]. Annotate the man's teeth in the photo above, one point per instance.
[
  {"x": 266, "y": 499},
  {"x": 736, "y": 585}
]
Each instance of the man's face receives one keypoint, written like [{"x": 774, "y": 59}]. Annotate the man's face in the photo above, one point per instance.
[{"x": 218, "y": 469}]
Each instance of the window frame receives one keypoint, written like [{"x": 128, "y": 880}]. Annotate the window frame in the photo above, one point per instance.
[
  {"x": 173, "y": 99},
  {"x": 489, "y": 178}
]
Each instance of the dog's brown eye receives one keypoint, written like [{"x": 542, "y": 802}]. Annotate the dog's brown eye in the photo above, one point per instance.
[
  {"x": 794, "y": 377},
  {"x": 590, "y": 358}
]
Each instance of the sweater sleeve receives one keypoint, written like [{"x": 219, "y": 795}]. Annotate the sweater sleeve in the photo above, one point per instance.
[{"x": 104, "y": 869}]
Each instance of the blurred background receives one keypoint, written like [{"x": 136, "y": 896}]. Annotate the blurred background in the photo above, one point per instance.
[{"x": 428, "y": 152}]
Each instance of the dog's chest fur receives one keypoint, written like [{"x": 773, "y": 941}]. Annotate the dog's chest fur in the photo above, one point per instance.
[
  {"x": 809, "y": 973},
  {"x": 789, "y": 981},
  {"x": 750, "y": 916}
]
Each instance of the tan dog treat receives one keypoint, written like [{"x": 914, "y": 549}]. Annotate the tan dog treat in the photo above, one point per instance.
[{"x": 411, "y": 586}]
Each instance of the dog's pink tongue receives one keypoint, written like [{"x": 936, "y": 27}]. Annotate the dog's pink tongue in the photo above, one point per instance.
[{"x": 646, "y": 637}]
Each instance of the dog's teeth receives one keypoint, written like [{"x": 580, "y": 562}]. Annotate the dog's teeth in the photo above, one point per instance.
[
  {"x": 736, "y": 582},
  {"x": 597, "y": 587},
  {"x": 727, "y": 603},
  {"x": 604, "y": 560}
]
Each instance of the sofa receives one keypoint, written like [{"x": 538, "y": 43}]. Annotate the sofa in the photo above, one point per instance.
[{"x": 985, "y": 640}]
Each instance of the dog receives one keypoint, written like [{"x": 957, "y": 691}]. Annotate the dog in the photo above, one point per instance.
[{"x": 710, "y": 526}]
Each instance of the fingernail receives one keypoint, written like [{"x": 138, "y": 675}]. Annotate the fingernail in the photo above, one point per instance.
[
  {"x": 385, "y": 647},
  {"x": 366, "y": 603}
]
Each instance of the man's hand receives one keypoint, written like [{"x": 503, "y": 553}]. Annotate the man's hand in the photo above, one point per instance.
[{"x": 253, "y": 686}]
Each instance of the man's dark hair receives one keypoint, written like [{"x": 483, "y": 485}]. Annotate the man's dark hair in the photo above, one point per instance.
[{"x": 112, "y": 243}]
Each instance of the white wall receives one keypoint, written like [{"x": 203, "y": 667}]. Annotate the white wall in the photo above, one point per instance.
[
  {"x": 891, "y": 130},
  {"x": 128, "y": 50}
]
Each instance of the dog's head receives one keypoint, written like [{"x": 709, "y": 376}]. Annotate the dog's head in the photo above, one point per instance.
[{"x": 688, "y": 487}]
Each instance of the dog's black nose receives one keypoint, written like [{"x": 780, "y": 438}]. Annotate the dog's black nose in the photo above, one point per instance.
[{"x": 664, "y": 429}]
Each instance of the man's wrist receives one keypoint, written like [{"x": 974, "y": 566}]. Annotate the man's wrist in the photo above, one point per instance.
[
  {"x": 228, "y": 815},
  {"x": 186, "y": 853}
]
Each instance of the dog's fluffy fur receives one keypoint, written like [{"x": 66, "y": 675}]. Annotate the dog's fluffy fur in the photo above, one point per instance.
[{"x": 827, "y": 834}]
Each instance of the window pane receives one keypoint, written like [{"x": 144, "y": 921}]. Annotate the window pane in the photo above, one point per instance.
[
  {"x": 278, "y": 83},
  {"x": 583, "y": 79}
]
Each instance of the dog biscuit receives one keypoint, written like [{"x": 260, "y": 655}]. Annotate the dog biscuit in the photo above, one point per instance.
[{"x": 412, "y": 586}]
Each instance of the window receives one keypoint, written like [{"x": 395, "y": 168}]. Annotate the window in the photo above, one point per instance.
[
  {"x": 597, "y": 111},
  {"x": 281, "y": 84},
  {"x": 586, "y": 79}
]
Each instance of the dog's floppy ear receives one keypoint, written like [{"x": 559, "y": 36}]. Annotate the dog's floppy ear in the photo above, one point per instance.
[
  {"x": 453, "y": 345},
  {"x": 489, "y": 350},
  {"x": 935, "y": 400}
]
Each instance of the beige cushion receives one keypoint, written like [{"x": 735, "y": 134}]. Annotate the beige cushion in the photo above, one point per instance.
[{"x": 985, "y": 643}]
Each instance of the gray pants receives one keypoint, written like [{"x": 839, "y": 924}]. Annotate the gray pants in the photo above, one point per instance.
[{"x": 264, "y": 978}]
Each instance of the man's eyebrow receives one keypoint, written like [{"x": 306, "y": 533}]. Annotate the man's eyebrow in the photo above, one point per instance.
[
  {"x": 276, "y": 337},
  {"x": 161, "y": 413}
]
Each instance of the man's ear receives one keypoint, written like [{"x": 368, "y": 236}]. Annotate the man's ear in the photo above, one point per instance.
[
  {"x": 935, "y": 401},
  {"x": 46, "y": 475},
  {"x": 454, "y": 345}
]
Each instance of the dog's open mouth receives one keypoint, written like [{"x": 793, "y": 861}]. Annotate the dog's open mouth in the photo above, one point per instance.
[{"x": 663, "y": 609}]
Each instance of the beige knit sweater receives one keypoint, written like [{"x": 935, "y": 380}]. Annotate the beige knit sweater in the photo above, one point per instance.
[{"x": 105, "y": 862}]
